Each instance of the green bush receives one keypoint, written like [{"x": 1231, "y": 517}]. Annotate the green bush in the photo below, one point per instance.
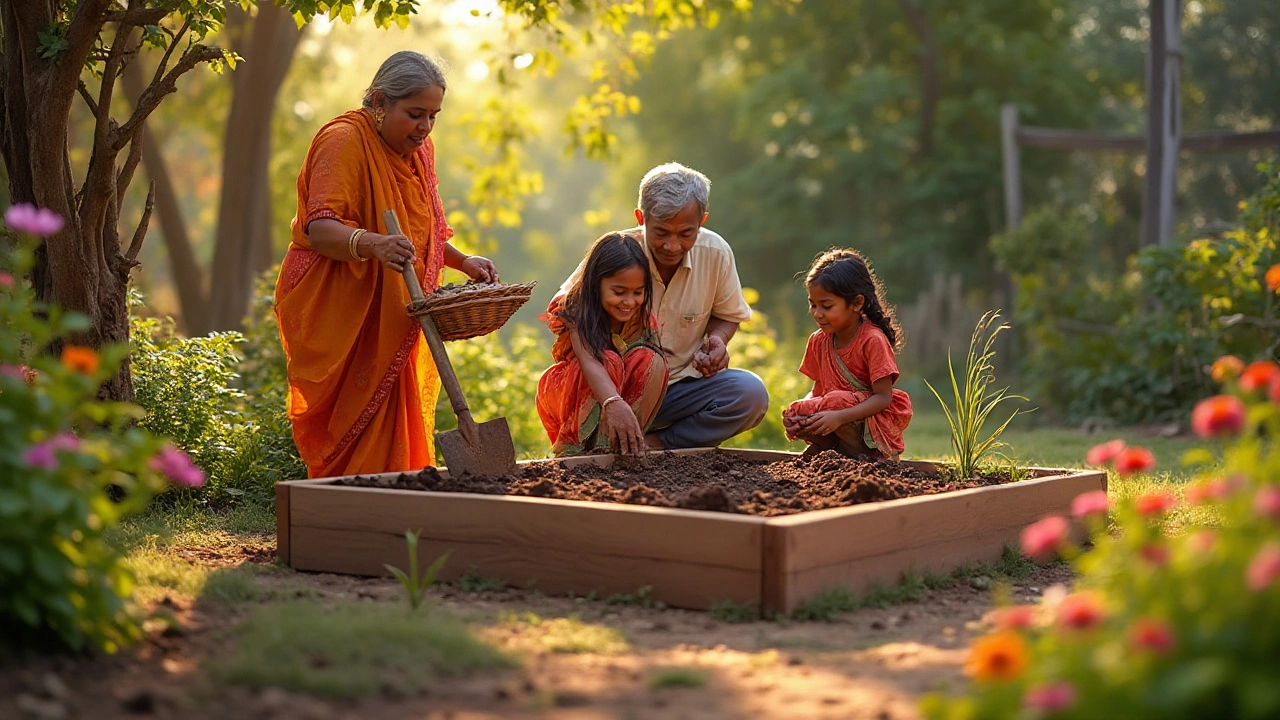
[
  {"x": 1159, "y": 626},
  {"x": 1132, "y": 345},
  {"x": 71, "y": 466}
]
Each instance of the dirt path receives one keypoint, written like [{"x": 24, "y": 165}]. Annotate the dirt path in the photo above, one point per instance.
[{"x": 872, "y": 664}]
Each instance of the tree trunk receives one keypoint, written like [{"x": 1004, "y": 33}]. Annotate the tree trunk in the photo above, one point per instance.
[
  {"x": 930, "y": 77},
  {"x": 243, "y": 249}
]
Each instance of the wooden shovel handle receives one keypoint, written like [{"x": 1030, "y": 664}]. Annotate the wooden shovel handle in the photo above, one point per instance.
[{"x": 466, "y": 424}]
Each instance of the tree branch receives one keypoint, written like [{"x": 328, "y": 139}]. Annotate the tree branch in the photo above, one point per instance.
[
  {"x": 137, "y": 17},
  {"x": 140, "y": 234},
  {"x": 125, "y": 176},
  {"x": 88, "y": 99},
  {"x": 173, "y": 43},
  {"x": 81, "y": 33},
  {"x": 156, "y": 92}
]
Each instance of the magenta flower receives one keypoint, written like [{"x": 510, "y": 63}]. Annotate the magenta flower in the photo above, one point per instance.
[
  {"x": 44, "y": 454},
  {"x": 1264, "y": 568},
  {"x": 1050, "y": 697},
  {"x": 177, "y": 466},
  {"x": 1267, "y": 502},
  {"x": 25, "y": 217},
  {"x": 1093, "y": 502},
  {"x": 1044, "y": 537}
]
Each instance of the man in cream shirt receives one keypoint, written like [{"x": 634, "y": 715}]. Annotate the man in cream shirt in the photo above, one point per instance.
[{"x": 699, "y": 303}]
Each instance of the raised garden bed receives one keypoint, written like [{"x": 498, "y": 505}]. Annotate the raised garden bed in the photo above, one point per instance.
[{"x": 776, "y": 559}]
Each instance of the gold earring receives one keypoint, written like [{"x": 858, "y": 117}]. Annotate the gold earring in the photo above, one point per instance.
[{"x": 378, "y": 116}]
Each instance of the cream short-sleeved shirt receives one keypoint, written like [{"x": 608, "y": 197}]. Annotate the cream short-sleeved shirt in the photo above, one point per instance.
[{"x": 705, "y": 285}]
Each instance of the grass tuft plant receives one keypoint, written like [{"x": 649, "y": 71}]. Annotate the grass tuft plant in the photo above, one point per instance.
[
  {"x": 415, "y": 586},
  {"x": 975, "y": 401}
]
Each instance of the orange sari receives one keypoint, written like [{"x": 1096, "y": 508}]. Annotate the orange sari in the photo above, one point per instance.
[
  {"x": 570, "y": 411},
  {"x": 362, "y": 385}
]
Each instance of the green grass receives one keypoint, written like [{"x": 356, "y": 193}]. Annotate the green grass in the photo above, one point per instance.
[
  {"x": 187, "y": 524},
  {"x": 472, "y": 581},
  {"x": 678, "y": 677},
  {"x": 569, "y": 635},
  {"x": 353, "y": 649},
  {"x": 728, "y": 611}
]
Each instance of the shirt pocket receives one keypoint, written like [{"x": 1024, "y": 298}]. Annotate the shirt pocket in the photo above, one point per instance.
[{"x": 693, "y": 318}]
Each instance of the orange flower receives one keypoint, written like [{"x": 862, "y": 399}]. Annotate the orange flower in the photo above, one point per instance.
[
  {"x": 1258, "y": 375},
  {"x": 1273, "y": 277},
  {"x": 999, "y": 656},
  {"x": 80, "y": 358},
  {"x": 1227, "y": 367}
]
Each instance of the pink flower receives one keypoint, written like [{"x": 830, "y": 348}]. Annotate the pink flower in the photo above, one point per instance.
[
  {"x": 1093, "y": 502},
  {"x": 1103, "y": 454},
  {"x": 1264, "y": 568},
  {"x": 1134, "y": 459},
  {"x": 1155, "y": 553},
  {"x": 44, "y": 454},
  {"x": 1051, "y": 697},
  {"x": 1151, "y": 635},
  {"x": 1267, "y": 502},
  {"x": 25, "y": 217},
  {"x": 1155, "y": 503},
  {"x": 177, "y": 466},
  {"x": 1043, "y": 538},
  {"x": 6, "y": 280},
  {"x": 19, "y": 372},
  {"x": 1218, "y": 415},
  {"x": 1015, "y": 617},
  {"x": 1080, "y": 611},
  {"x": 1202, "y": 540},
  {"x": 1202, "y": 492}
]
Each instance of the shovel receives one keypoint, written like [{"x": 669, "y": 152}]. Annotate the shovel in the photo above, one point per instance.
[{"x": 473, "y": 449}]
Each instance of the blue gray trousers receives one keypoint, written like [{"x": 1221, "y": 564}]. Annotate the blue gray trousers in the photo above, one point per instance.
[{"x": 704, "y": 412}]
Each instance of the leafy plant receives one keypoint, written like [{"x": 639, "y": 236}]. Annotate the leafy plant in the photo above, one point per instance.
[
  {"x": 71, "y": 467},
  {"x": 1160, "y": 624},
  {"x": 975, "y": 401},
  {"x": 415, "y": 586}
]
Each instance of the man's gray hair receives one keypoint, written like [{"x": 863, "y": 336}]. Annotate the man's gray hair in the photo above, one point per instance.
[
  {"x": 403, "y": 74},
  {"x": 667, "y": 189}
]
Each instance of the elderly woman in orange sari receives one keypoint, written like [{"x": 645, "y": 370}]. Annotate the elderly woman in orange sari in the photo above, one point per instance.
[{"x": 362, "y": 384}]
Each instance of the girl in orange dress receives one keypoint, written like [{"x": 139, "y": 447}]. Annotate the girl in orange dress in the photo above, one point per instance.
[
  {"x": 853, "y": 408},
  {"x": 609, "y": 376}
]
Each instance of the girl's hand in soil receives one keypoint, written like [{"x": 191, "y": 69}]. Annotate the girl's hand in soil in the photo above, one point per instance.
[
  {"x": 623, "y": 429},
  {"x": 823, "y": 423},
  {"x": 792, "y": 426}
]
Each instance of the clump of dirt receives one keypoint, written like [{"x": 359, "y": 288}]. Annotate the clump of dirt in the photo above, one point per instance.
[{"x": 715, "y": 481}]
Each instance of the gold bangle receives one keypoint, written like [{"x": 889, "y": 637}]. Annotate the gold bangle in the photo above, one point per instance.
[{"x": 353, "y": 244}]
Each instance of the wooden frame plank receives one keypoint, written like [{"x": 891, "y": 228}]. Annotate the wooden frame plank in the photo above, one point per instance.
[
  {"x": 715, "y": 539},
  {"x": 679, "y": 584}
]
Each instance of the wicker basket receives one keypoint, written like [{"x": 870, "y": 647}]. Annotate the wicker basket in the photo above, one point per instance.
[{"x": 466, "y": 311}]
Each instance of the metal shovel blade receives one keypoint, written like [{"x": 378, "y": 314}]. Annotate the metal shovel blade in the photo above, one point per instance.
[{"x": 495, "y": 454}]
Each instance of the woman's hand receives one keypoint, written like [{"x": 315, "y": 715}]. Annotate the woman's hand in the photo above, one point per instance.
[
  {"x": 624, "y": 431},
  {"x": 480, "y": 269},
  {"x": 393, "y": 251}
]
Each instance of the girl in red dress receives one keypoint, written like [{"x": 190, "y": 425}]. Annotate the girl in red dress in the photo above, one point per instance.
[
  {"x": 610, "y": 374},
  {"x": 853, "y": 408}
]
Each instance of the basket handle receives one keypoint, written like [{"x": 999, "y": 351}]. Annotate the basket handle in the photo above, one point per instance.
[{"x": 466, "y": 424}]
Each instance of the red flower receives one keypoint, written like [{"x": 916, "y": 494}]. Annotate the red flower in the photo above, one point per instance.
[
  {"x": 1275, "y": 389},
  {"x": 1202, "y": 492},
  {"x": 1151, "y": 635},
  {"x": 1273, "y": 277},
  {"x": 1134, "y": 459},
  {"x": 1258, "y": 375},
  {"x": 1080, "y": 611},
  {"x": 1218, "y": 415},
  {"x": 1267, "y": 502},
  {"x": 1155, "y": 553},
  {"x": 1154, "y": 503},
  {"x": 1264, "y": 568},
  {"x": 1227, "y": 367},
  {"x": 1015, "y": 617},
  {"x": 1051, "y": 697},
  {"x": 1043, "y": 538},
  {"x": 1093, "y": 502},
  {"x": 1104, "y": 453}
]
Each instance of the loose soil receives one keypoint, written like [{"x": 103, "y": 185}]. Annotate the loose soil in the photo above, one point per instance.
[{"x": 716, "y": 481}]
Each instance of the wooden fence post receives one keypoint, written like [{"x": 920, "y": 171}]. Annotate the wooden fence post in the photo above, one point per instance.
[
  {"x": 1164, "y": 120},
  {"x": 1012, "y": 165}
]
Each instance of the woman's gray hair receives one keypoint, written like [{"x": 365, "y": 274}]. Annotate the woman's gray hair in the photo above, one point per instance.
[
  {"x": 403, "y": 74},
  {"x": 667, "y": 189}
]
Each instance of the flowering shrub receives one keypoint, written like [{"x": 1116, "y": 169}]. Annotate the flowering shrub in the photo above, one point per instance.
[
  {"x": 71, "y": 467},
  {"x": 1159, "y": 626}
]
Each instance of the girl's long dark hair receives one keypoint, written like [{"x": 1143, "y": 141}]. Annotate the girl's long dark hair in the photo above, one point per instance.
[
  {"x": 582, "y": 308},
  {"x": 845, "y": 273}
]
